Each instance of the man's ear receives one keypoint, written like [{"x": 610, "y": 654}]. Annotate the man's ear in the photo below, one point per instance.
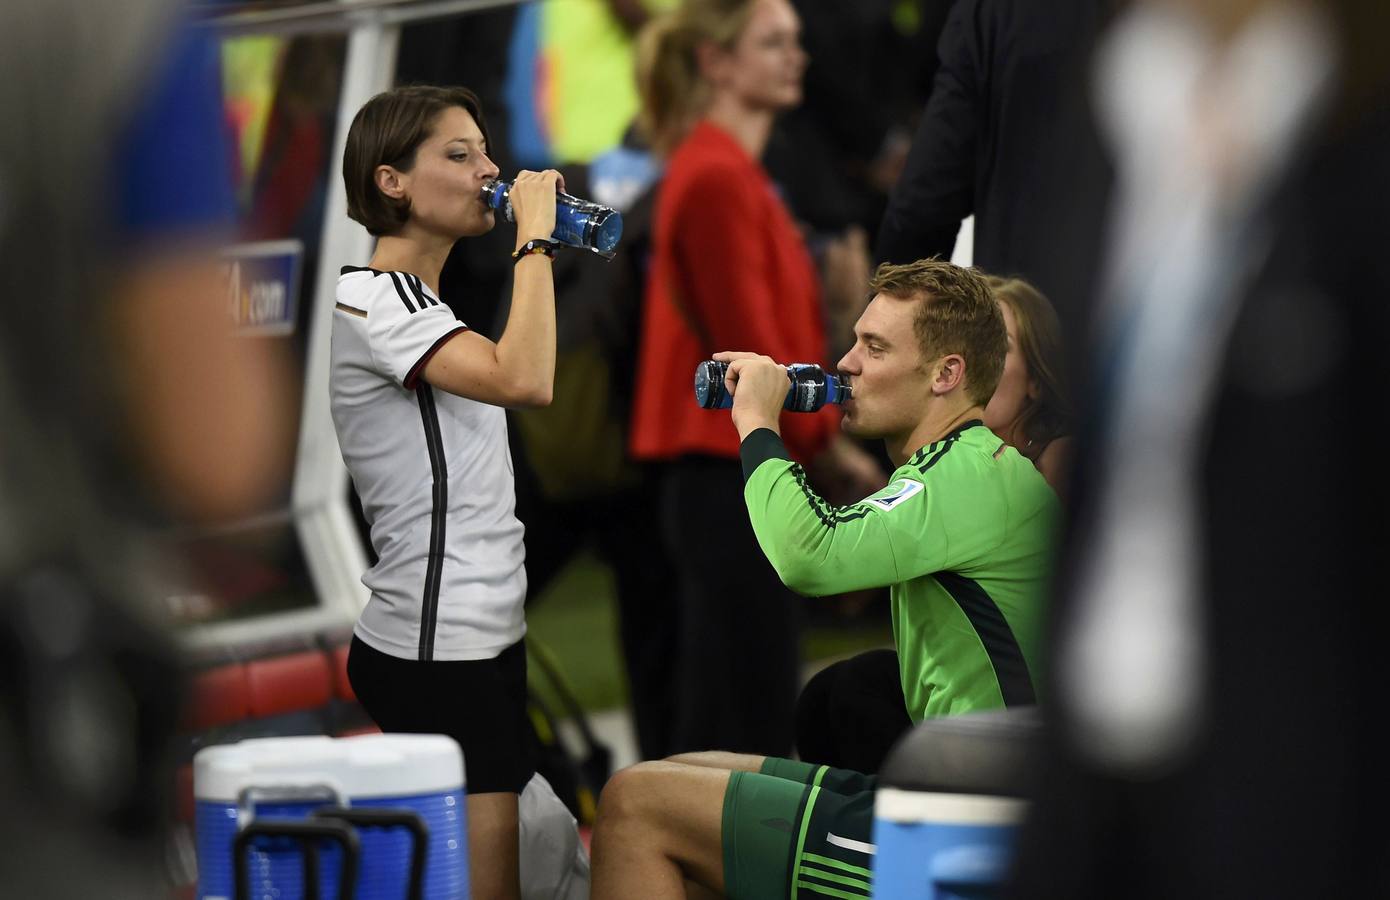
[
  {"x": 949, "y": 374},
  {"x": 390, "y": 182}
]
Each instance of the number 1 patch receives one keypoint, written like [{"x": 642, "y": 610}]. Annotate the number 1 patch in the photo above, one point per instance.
[{"x": 895, "y": 493}]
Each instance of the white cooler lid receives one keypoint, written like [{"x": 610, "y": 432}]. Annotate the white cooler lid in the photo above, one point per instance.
[{"x": 364, "y": 766}]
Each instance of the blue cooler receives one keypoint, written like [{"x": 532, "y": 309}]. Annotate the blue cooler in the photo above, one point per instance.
[
  {"x": 276, "y": 779},
  {"x": 948, "y": 807}
]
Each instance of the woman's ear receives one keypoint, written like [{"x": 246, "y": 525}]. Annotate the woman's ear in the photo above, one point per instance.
[
  {"x": 390, "y": 182},
  {"x": 710, "y": 59}
]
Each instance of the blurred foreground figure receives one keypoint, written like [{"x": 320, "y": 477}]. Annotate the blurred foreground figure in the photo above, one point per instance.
[
  {"x": 122, "y": 394},
  {"x": 1217, "y": 668}
]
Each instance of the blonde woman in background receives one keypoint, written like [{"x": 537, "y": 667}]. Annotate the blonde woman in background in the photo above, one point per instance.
[{"x": 729, "y": 268}]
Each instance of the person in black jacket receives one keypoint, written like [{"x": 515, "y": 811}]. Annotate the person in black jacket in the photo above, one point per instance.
[{"x": 1007, "y": 136}]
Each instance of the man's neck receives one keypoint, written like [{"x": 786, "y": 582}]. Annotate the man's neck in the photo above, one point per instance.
[
  {"x": 415, "y": 252},
  {"x": 935, "y": 426}
]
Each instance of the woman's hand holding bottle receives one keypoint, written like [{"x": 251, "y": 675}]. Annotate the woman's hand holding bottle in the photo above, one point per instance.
[{"x": 532, "y": 197}]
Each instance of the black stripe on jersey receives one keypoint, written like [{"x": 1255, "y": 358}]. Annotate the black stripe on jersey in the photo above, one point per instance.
[
  {"x": 345, "y": 270},
  {"x": 419, "y": 289},
  {"x": 1015, "y": 684},
  {"x": 400, "y": 290},
  {"x": 812, "y": 499},
  {"x": 830, "y": 516},
  {"x": 920, "y": 455},
  {"x": 947, "y": 441},
  {"x": 434, "y": 569},
  {"x": 937, "y": 458}
]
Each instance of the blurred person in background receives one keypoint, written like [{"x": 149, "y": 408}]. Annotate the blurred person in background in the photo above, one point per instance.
[
  {"x": 1031, "y": 409},
  {"x": 1008, "y": 136},
  {"x": 1216, "y": 665},
  {"x": 835, "y": 156},
  {"x": 870, "y": 71},
  {"x": 126, "y": 401},
  {"x": 728, "y": 268},
  {"x": 417, "y": 401}
]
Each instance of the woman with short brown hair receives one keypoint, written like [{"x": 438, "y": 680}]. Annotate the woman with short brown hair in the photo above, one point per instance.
[{"x": 417, "y": 401}]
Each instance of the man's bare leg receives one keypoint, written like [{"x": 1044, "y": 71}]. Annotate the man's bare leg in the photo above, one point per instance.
[
  {"x": 658, "y": 826},
  {"x": 718, "y": 759}
]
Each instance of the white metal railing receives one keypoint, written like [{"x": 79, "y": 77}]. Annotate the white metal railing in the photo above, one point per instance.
[{"x": 332, "y": 15}]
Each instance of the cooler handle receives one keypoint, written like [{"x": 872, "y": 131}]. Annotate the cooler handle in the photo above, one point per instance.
[
  {"x": 306, "y": 833},
  {"x": 390, "y": 817},
  {"x": 284, "y": 793}
]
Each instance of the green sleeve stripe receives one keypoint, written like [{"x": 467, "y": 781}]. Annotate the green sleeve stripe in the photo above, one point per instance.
[
  {"x": 835, "y": 863},
  {"x": 808, "y": 872},
  {"x": 805, "y": 822},
  {"x": 827, "y": 891},
  {"x": 760, "y": 446}
]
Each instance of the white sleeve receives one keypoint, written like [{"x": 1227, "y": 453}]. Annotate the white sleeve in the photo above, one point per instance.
[{"x": 406, "y": 324}]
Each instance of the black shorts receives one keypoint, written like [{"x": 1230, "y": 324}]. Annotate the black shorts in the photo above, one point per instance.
[{"x": 479, "y": 703}]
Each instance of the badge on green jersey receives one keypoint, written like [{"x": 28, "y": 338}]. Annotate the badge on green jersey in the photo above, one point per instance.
[{"x": 895, "y": 493}]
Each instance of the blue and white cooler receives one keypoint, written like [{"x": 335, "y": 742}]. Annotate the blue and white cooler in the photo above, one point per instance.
[
  {"x": 375, "y": 790},
  {"x": 949, "y": 804}
]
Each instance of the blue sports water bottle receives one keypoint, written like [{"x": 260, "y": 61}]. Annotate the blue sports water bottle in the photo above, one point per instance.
[
  {"x": 578, "y": 223},
  {"x": 811, "y": 387}
]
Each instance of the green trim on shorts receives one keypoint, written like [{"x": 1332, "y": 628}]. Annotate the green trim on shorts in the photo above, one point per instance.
[
  {"x": 836, "y": 864},
  {"x": 808, "y": 872},
  {"x": 827, "y": 891},
  {"x": 801, "y": 838}
]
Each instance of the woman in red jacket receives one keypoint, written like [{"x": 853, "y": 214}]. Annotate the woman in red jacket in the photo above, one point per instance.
[{"x": 728, "y": 270}]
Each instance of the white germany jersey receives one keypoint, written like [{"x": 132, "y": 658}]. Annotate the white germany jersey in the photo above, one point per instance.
[{"x": 435, "y": 476}]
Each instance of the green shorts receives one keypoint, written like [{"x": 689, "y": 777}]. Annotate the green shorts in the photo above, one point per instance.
[{"x": 798, "y": 830}]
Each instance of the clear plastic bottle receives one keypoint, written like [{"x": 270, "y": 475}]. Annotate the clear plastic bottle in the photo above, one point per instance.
[
  {"x": 811, "y": 387},
  {"x": 578, "y": 223}
]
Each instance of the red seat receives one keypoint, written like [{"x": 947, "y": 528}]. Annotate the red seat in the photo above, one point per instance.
[
  {"x": 292, "y": 683},
  {"x": 218, "y": 696}
]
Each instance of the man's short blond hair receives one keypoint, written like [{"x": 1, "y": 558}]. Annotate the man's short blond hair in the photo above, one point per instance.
[{"x": 956, "y": 314}]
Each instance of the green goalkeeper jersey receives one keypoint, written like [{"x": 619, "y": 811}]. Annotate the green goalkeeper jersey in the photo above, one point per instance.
[{"x": 963, "y": 535}]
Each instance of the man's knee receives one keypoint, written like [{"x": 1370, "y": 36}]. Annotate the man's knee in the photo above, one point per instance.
[{"x": 633, "y": 794}]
